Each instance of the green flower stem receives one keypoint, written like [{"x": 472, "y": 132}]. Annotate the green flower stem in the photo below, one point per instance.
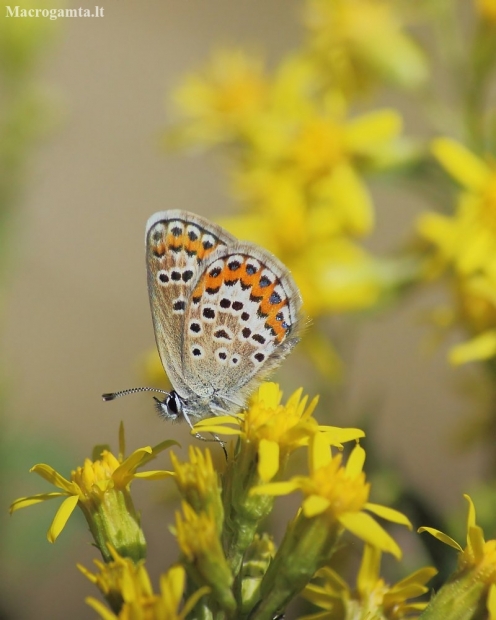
[
  {"x": 112, "y": 519},
  {"x": 255, "y": 563},
  {"x": 243, "y": 512},
  {"x": 307, "y": 546},
  {"x": 462, "y": 598}
]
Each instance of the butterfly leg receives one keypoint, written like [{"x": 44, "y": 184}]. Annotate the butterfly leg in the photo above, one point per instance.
[{"x": 215, "y": 439}]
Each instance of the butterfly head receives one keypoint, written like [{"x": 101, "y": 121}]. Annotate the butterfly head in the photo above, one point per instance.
[{"x": 171, "y": 407}]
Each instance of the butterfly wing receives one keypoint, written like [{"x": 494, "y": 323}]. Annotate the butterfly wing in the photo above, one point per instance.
[
  {"x": 178, "y": 244},
  {"x": 243, "y": 317}
]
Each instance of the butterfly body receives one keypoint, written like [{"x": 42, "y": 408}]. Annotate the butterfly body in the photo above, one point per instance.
[{"x": 225, "y": 313}]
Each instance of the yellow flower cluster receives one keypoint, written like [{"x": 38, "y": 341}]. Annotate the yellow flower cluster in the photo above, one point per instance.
[
  {"x": 372, "y": 595},
  {"x": 465, "y": 245},
  {"x": 128, "y": 589},
  {"x": 299, "y": 160},
  {"x": 228, "y": 564},
  {"x": 101, "y": 489}
]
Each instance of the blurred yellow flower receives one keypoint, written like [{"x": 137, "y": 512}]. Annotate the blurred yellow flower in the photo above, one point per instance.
[
  {"x": 372, "y": 597},
  {"x": 217, "y": 103},
  {"x": 298, "y": 167},
  {"x": 465, "y": 245},
  {"x": 487, "y": 9},
  {"x": 128, "y": 589},
  {"x": 363, "y": 42}
]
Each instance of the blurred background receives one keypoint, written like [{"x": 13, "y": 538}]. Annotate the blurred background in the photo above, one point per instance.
[{"x": 88, "y": 158}]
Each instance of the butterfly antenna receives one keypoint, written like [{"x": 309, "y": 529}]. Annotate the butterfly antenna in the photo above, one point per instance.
[{"x": 114, "y": 395}]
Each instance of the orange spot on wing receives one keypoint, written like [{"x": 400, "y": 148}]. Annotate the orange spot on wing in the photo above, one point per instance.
[
  {"x": 172, "y": 241},
  {"x": 276, "y": 325},
  {"x": 211, "y": 282},
  {"x": 194, "y": 246},
  {"x": 159, "y": 248}
]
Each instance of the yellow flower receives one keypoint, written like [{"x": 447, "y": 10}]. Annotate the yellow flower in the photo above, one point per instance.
[
  {"x": 362, "y": 42},
  {"x": 268, "y": 433},
  {"x": 465, "y": 243},
  {"x": 372, "y": 597},
  {"x": 198, "y": 538},
  {"x": 487, "y": 9},
  {"x": 219, "y": 102},
  {"x": 101, "y": 489},
  {"x": 335, "y": 499},
  {"x": 340, "y": 493},
  {"x": 310, "y": 158},
  {"x": 297, "y": 168},
  {"x": 475, "y": 577},
  {"x": 306, "y": 199},
  {"x": 276, "y": 430},
  {"x": 128, "y": 590},
  {"x": 198, "y": 483}
]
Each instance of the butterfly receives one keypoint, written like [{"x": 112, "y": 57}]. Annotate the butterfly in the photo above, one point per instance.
[{"x": 225, "y": 314}]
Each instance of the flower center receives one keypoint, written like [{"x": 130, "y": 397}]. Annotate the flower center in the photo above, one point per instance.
[{"x": 346, "y": 493}]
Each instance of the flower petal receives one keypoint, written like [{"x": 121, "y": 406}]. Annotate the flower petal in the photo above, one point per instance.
[
  {"x": 320, "y": 597},
  {"x": 447, "y": 540},
  {"x": 125, "y": 472},
  {"x": 158, "y": 474},
  {"x": 61, "y": 517},
  {"x": 276, "y": 488},
  {"x": 461, "y": 164},
  {"x": 220, "y": 419},
  {"x": 482, "y": 347},
  {"x": 491, "y": 602},
  {"x": 471, "y": 512},
  {"x": 99, "y": 607},
  {"x": 319, "y": 454},
  {"x": 388, "y": 513},
  {"x": 373, "y": 128},
  {"x": 270, "y": 394},
  {"x": 315, "y": 505},
  {"x": 369, "y": 570},
  {"x": 172, "y": 584},
  {"x": 53, "y": 477},
  {"x": 337, "y": 436},
  {"x": 475, "y": 540},
  {"x": 354, "y": 465},
  {"x": 216, "y": 428},
  {"x": 364, "y": 526},
  {"x": 163, "y": 445},
  {"x": 268, "y": 459},
  {"x": 420, "y": 576},
  {"x": 193, "y": 600},
  {"x": 23, "y": 502}
]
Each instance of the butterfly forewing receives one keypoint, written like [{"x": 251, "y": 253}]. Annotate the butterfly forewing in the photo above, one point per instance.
[{"x": 178, "y": 245}]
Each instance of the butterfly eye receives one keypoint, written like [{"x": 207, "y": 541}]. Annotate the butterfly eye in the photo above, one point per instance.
[{"x": 173, "y": 405}]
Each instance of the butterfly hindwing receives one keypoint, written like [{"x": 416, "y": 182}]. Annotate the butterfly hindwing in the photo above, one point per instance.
[{"x": 242, "y": 317}]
